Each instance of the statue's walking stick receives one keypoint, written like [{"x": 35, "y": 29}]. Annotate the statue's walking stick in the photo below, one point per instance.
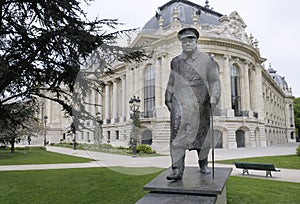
[{"x": 212, "y": 144}]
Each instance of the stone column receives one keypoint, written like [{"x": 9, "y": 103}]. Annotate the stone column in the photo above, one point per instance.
[
  {"x": 139, "y": 85},
  {"x": 107, "y": 102},
  {"x": 93, "y": 102},
  {"x": 165, "y": 67},
  {"x": 251, "y": 87},
  {"x": 227, "y": 86},
  {"x": 242, "y": 91},
  {"x": 124, "y": 102},
  {"x": 246, "y": 87},
  {"x": 132, "y": 81},
  {"x": 220, "y": 105},
  {"x": 129, "y": 91},
  {"x": 258, "y": 98},
  {"x": 100, "y": 102},
  {"x": 158, "y": 88},
  {"x": 115, "y": 100}
]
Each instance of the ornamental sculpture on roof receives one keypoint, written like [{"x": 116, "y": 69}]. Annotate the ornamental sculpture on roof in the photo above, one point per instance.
[{"x": 231, "y": 27}]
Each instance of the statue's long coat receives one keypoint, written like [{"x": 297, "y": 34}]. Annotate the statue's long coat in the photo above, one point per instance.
[{"x": 193, "y": 84}]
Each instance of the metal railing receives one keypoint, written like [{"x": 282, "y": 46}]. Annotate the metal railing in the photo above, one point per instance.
[
  {"x": 147, "y": 114},
  {"x": 241, "y": 113}
]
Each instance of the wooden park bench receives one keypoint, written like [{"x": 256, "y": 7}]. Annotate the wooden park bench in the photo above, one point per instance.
[{"x": 256, "y": 166}]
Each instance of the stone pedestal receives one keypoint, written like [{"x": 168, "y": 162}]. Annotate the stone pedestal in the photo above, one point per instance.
[{"x": 193, "y": 188}]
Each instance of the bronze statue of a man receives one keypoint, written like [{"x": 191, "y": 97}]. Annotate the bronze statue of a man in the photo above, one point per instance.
[{"x": 192, "y": 93}]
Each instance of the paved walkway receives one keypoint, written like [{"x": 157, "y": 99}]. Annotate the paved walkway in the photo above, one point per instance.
[{"x": 113, "y": 160}]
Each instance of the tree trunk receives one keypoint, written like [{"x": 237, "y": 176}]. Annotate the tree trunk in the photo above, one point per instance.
[{"x": 12, "y": 144}]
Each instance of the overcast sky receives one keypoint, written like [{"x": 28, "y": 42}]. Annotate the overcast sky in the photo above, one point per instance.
[{"x": 275, "y": 24}]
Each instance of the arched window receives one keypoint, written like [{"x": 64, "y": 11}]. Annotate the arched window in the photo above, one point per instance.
[
  {"x": 235, "y": 90},
  {"x": 149, "y": 92}
]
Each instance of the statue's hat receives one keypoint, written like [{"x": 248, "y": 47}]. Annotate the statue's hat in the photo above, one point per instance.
[{"x": 188, "y": 33}]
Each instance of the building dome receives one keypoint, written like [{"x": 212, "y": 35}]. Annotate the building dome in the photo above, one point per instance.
[
  {"x": 280, "y": 81},
  {"x": 185, "y": 12}
]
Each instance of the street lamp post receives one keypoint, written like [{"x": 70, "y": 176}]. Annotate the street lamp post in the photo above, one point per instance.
[
  {"x": 45, "y": 122},
  {"x": 73, "y": 130},
  {"x": 134, "y": 105}
]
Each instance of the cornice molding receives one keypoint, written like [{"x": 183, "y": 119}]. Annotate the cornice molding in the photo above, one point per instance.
[{"x": 232, "y": 44}]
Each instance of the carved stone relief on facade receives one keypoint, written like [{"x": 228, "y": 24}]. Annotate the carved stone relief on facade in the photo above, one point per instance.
[{"x": 231, "y": 26}]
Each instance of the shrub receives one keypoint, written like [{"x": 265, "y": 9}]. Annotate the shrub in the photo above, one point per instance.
[
  {"x": 146, "y": 149},
  {"x": 298, "y": 150}
]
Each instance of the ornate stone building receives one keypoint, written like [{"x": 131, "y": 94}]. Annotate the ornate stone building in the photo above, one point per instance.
[{"x": 256, "y": 107}]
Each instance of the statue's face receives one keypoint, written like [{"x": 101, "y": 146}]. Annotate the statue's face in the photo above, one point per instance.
[{"x": 189, "y": 45}]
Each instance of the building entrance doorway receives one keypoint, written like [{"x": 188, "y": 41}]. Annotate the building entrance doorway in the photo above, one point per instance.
[{"x": 240, "y": 138}]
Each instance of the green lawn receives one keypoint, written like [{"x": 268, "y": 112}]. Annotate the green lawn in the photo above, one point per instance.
[
  {"x": 287, "y": 161},
  {"x": 36, "y": 156},
  {"x": 260, "y": 191},
  {"x": 103, "y": 185},
  {"x": 82, "y": 186},
  {"x": 107, "y": 185}
]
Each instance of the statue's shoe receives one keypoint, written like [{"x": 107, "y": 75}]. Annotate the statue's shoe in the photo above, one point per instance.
[
  {"x": 204, "y": 170},
  {"x": 175, "y": 175},
  {"x": 203, "y": 166}
]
